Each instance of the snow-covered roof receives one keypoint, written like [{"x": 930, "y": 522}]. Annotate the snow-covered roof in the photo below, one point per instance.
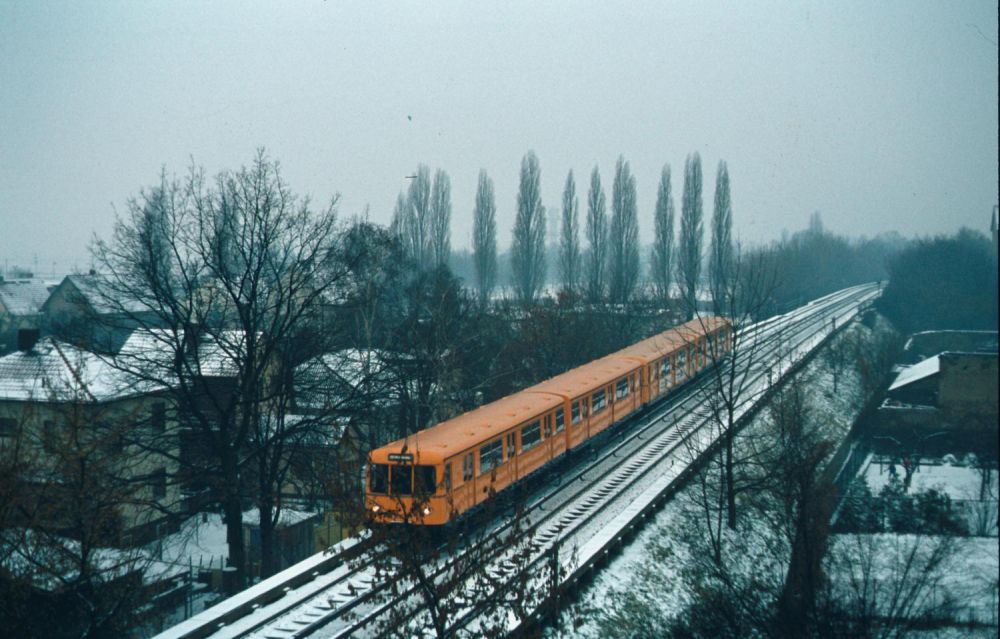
[
  {"x": 920, "y": 370},
  {"x": 93, "y": 288},
  {"x": 23, "y": 297},
  {"x": 57, "y": 371},
  {"x": 154, "y": 349},
  {"x": 287, "y": 517},
  {"x": 336, "y": 377}
]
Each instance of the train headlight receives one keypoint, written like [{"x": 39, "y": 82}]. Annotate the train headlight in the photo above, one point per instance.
[
  {"x": 427, "y": 510},
  {"x": 375, "y": 508}
]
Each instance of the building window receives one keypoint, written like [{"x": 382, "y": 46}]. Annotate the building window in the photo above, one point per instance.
[
  {"x": 8, "y": 427},
  {"x": 49, "y": 433},
  {"x": 158, "y": 483},
  {"x": 158, "y": 418}
]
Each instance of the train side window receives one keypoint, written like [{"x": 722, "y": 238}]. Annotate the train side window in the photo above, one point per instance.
[
  {"x": 576, "y": 416},
  {"x": 468, "y": 468},
  {"x": 665, "y": 371},
  {"x": 447, "y": 477},
  {"x": 425, "y": 479},
  {"x": 560, "y": 420},
  {"x": 511, "y": 445},
  {"x": 681, "y": 365},
  {"x": 401, "y": 480},
  {"x": 490, "y": 456},
  {"x": 531, "y": 435},
  {"x": 599, "y": 401},
  {"x": 378, "y": 478},
  {"x": 621, "y": 388}
]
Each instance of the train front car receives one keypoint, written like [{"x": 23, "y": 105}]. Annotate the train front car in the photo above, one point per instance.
[{"x": 406, "y": 487}]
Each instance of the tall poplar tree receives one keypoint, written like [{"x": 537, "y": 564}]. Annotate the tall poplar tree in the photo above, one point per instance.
[
  {"x": 597, "y": 238},
  {"x": 624, "y": 243},
  {"x": 484, "y": 237},
  {"x": 440, "y": 214},
  {"x": 663, "y": 238},
  {"x": 569, "y": 238},
  {"x": 720, "y": 261},
  {"x": 527, "y": 253},
  {"x": 692, "y": 233},
  {"x": 418, "y": 217}
]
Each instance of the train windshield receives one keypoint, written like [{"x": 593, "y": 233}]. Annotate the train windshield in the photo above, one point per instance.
[
  {"x": 402, "y": 480},
  {"x": 426, "y": 479},
  {"x": 378, "y": 478}
]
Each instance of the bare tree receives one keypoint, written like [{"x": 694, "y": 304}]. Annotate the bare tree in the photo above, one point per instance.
[
  {"x": 484, "y": 237},
  {"x": 721, "y": 253},
  {"x": 527, "y": 253},
  {"x": 692, "y": 231},
  {"x": 418, "y": 217},
  {"x": 434, "y": 581},
  {"x": 662, "y": 260},
  {"x": 624, "y": 244},
  {"x": 569, "y": 239},
  {"x": 70, "y": 487},
  {"x": 399, "y": 226},
  {"x": 225, "y": 276},
  {"x": 597, "y": 238},
  {"x": 441, "y": 218}
]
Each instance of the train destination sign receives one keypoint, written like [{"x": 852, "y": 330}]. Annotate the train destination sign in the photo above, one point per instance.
[{"x": 401, "y": 457}]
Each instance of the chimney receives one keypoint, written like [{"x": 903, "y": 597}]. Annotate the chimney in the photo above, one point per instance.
[{"x": 26, "y": 339}]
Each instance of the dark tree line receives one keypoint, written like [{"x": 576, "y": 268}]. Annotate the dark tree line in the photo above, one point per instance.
[{"x": 947, "y": 282}]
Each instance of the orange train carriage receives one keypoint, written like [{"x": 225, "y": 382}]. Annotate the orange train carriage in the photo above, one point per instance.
[{"x": 435, "y": 475}]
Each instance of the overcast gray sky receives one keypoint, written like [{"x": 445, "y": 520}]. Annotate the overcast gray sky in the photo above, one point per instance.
[{"x": 881, "y": 115}]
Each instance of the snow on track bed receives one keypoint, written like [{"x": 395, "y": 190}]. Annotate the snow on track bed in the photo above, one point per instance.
[{"x": 596, "y": 503}]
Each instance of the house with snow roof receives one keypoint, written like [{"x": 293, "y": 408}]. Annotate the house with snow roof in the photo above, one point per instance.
[
  {"x": 70, "y": 421},
  {"x": 84, "y": 310},
  {"x": 954, "y": 390},
  {"x": 21, "y": 302}
]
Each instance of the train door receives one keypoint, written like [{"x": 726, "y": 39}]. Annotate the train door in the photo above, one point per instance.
[
  {"x": 560, "y": 439},
  {"x": 600, "y": 410},
  {"x": 467, "y": 494},
  {"x": 578, "y": 421},
  {"x": 510, "y": 452}
]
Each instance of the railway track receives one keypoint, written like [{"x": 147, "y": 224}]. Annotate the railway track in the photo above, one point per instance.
[{"x": 338, "y": 595}]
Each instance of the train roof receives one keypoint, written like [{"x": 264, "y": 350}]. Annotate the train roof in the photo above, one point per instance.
[
  {"x": 671, "y": 340},
  {"x": 584, "y": 379},
  {"x": 475, "y": 427},
  {"x": 451, "y": 437}
]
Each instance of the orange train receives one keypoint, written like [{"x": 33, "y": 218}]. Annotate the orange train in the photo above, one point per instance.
[{"x": 435, "y": 475}]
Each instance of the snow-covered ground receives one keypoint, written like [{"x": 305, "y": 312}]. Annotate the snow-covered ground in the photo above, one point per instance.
[
  {"x": 959, "y": 482},
  {"x": 972, "y": 563}
]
